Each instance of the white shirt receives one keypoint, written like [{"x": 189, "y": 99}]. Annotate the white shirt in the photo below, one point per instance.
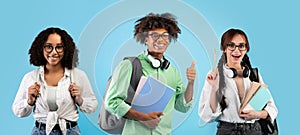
[
  {"x": 67, "y": 109},
  {"x": 51, "y": 97},
  {"x": 231, "y": 113}
]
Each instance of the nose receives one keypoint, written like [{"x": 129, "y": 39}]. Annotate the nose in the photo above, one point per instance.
[
  {"x": 160, "y": 38},
  {"x": 236, "y": 48},
  {"x": 53, "y": 51}
]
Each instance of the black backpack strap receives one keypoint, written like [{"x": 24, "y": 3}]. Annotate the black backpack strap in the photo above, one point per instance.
[
  {"x": 254, "y": 75},
  {"x": 135, "y": 78}
]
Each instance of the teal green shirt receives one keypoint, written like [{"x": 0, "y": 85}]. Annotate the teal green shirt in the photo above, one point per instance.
[{"x": 117, "y": 93}]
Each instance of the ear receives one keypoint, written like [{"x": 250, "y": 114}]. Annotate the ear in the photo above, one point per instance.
[
  {"x": 146, "y": 41},
  {"x": 225, "y": 51}
]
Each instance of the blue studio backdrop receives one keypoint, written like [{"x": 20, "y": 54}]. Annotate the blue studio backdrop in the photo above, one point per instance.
[{"x": 103, "y": 32}]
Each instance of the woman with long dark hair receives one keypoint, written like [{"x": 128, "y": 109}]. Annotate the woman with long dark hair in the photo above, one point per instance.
[{"x": 225, "y": 89}]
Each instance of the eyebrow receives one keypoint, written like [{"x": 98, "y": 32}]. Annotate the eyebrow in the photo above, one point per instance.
[
  {"x": 151, "y": 32},
  {"x": 51, "y": 43},
  {"x": 236, "y": 44}
]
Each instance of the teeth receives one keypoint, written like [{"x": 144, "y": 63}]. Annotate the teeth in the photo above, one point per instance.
[
  {"x": 160, "y": 45},
  {"x": 53, "y": 57}
]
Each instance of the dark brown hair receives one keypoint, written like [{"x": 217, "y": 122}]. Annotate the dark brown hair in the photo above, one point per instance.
[
  {"x": 229, "y": 34},
  {"x": 155, "y": 21},
  {"x": 70, "y": 58},
  {"x": 226, "y": 38}
]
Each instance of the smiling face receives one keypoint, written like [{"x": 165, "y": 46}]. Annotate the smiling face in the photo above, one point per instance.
[
  {"x": 53, "y": 50},
  {"x": 235, "y": 50},
  {"x": 157, "y": 42}
]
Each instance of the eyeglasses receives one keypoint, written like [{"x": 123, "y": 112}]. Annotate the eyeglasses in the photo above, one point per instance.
[
  {"x": 232, "y": 46},
  {"x": 155, "y": 36},
  {"x": 49, "y": 48}
]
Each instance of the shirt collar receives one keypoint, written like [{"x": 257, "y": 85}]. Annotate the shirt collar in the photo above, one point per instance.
[{"x": 41, "y": 71}]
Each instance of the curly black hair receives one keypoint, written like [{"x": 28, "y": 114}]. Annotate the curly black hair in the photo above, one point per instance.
[
  {"x": 155, "y": 21},
  {"x": 70, "y": 58}
]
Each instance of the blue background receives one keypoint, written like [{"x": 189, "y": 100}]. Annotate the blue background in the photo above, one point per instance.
[{"x": 272, "y": 28}]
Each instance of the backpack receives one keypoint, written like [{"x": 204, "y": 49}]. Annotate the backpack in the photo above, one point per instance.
[
  {"x": 267, "y": 127},
  {"x": 109, "y": 122}
]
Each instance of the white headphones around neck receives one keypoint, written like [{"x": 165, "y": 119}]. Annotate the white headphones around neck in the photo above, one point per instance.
[
  {"x": 156, "y": 63},
  {"x": 232, "y": 73}
]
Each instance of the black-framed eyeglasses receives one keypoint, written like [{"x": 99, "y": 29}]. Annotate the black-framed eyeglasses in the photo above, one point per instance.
[
  {"x": 155, "y": 36},
  {"x": 58, "y": 48},
  {"x": 232, "y": 46}
]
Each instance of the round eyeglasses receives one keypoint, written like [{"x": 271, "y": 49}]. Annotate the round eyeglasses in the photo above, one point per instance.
[
  {"x": 155, "y": 36},
  {"x": 58, "y": 48},
  {"x": 232, "y": 46}
]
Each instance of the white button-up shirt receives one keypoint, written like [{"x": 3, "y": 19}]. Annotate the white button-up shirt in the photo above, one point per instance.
[{"x": 67, "y": 109}]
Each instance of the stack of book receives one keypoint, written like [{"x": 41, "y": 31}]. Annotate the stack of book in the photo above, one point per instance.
[{"x": 256, "y": 98}]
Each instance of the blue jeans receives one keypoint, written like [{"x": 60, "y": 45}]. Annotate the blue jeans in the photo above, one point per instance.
[{"x": 41, "y": 131}]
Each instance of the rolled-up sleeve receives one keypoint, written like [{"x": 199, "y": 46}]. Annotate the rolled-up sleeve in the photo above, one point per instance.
[
  {"x": 180, "y": 103},
  {"x": 90, "y": 102},
  {"x": 20, "y": 106},
  {"x": 271, "y": 107},
  {"x": 117, "y": 91},
  {"x": 204, "y": 109}
]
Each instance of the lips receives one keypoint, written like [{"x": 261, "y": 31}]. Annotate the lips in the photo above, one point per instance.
[
  {"x": 158, "y": 46},
  {"x": 236, "y": 57},
  {"x": 53, "y": 58}
]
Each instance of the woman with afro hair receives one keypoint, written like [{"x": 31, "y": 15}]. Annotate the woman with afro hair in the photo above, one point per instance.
[{"x": 55, "y": 90}]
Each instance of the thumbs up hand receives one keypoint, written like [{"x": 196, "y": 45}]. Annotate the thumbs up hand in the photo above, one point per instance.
[{"x": 191, "y": 72}]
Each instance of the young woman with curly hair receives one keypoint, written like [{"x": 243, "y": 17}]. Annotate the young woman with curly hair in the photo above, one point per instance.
[
  {"x": 155, "y": 31},
  {"x": 55, "y": 90}
]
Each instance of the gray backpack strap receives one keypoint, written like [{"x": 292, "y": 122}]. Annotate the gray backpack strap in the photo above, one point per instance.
[
  {"x": 37, "y": 75},
  {"x": 135, "y": 77},
  {"x": 36, "y": 79},
  {"x": 72, "y": 75}
]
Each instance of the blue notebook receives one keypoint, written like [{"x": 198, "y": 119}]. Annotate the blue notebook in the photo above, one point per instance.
[
  {"x": 258, "y": 98},
  {"x": 151, "y": 95}
]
